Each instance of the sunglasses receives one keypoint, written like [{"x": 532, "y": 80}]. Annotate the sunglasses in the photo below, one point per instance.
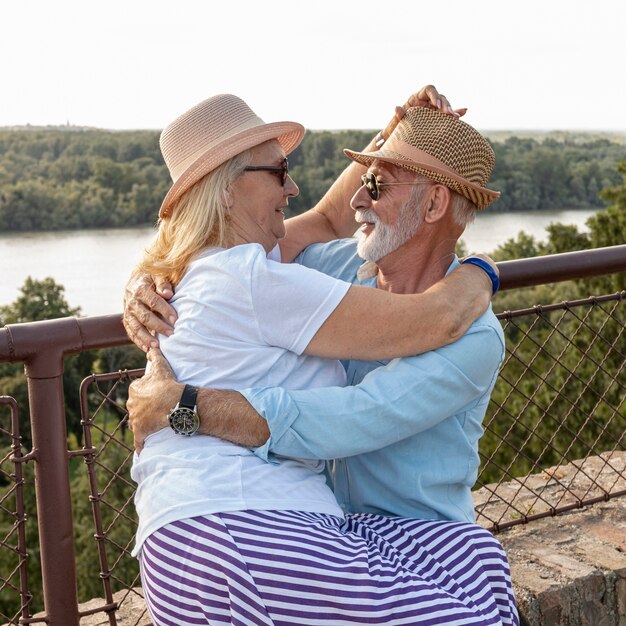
[
  {"x": 371, "y": 183},
  {"x": 281, "y": 170}
]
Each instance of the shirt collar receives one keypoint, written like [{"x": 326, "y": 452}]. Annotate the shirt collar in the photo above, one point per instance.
[{"x": 369, "y": 269}]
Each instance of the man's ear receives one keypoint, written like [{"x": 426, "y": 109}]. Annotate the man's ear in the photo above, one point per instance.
[{"x": 439, "y": 203}]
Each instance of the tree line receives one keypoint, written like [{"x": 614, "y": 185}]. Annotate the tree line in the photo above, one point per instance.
[{"x": 53, "y": 179}]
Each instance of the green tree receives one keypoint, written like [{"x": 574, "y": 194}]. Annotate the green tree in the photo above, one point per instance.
[
  {"x": 43, "y": 300},
  {"x": 564, "y": 385}
]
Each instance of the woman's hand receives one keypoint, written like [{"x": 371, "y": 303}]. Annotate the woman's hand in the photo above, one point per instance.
[
  {"x": 430, "y": 98},
  {"x": 146, "y": 310},
  {"x": 427, "y": 97}
]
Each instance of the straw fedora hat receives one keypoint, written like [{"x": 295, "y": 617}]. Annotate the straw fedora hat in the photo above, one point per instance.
[
  {"x": 442, "y": 148},
  {"x": 209, "y": 134}
]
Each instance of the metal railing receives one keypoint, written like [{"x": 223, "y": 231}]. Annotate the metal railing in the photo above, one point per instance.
[{"x": 554, "y": 436}]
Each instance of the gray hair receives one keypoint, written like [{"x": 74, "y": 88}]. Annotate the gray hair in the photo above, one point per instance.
[{"x": 463, "y": 210}]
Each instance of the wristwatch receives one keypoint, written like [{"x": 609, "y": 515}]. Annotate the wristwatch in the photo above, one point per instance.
[{"x": 183, "y": 417}]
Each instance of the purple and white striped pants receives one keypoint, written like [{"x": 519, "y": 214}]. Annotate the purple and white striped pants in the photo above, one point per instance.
[{"x": 288, "y": 568}]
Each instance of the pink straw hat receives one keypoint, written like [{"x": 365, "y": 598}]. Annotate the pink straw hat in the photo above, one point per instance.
[
  {"x": 209, "y": 134},
  {"x": 442, "y": 148}
]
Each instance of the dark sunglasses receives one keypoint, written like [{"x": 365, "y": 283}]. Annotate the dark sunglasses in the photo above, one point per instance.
[
  {"x": 281, "y": 170},
  {"x": 373, "y": 185}
]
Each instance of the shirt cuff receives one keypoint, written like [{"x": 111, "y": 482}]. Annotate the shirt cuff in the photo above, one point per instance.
[{"x": 275, "y": 405}]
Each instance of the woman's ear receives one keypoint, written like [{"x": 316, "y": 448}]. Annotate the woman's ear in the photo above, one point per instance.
[{"x": 439, "y": 203}]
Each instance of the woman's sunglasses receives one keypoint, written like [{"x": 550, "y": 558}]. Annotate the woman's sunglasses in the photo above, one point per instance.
[
  {"x": 372, "y": 184},
  {"x": 281, "y": 170}
]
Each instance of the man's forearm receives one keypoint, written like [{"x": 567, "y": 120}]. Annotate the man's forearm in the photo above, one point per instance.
[{"x": 228, "y": 415}]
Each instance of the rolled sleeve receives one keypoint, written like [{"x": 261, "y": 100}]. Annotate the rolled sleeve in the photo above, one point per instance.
[
  {"x": 393, "y": 402},
  {"x": 279, "y": 410}
]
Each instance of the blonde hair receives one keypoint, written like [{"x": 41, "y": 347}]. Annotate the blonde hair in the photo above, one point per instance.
[{"x": 199, "y": 219}]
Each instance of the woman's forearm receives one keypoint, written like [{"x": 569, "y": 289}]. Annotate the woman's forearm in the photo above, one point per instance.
[{"x": 375, "y": 324}]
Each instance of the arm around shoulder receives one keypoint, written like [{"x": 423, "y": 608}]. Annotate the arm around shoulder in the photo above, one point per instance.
[
  {"x": 391, "y": 403},
  {"x": 375, "y": 324}
]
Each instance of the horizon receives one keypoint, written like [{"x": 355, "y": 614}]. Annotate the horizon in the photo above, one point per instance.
[{"x": 485, "y": 131}]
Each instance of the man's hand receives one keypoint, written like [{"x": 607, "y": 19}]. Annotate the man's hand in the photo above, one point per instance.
[
  {"x": 146, "y": 310},
  {"x": 151, "y": 398}
]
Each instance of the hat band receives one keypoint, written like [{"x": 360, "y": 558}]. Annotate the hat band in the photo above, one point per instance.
[{"x": 419, "y": 156}]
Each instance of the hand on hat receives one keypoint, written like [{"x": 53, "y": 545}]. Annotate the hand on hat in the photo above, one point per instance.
[{"x": 427, "y": 97}]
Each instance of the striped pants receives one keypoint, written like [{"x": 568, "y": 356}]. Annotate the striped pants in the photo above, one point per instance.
[{"x": 286, "y": 568}]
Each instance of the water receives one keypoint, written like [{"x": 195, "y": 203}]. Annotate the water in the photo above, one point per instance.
[
  {"x": 493, "y": 229},
  {"x": 94, "y": 265}
]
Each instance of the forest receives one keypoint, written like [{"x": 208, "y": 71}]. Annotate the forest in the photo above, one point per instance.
[
  {"x": 123, "y": 173},
  {"x": 63, "y": 179}
]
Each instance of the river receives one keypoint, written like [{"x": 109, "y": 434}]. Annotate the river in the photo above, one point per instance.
[{"x": 93, "y": 265}]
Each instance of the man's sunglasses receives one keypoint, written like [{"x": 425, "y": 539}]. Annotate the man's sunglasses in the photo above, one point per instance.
[
  {"x": 281, "y": 170},
  {"x": 372, "y": 184}
]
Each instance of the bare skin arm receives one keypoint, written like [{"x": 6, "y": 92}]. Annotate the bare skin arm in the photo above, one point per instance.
[
  {"x": 223, "y": 413},
  {"x": 146, "y": 310},
  {"x": 402, "y": 324},
  {"x": 227, "y": 414}
]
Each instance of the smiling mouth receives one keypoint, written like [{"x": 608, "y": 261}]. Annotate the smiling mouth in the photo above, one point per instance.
[{"x": 364, "y": 222}]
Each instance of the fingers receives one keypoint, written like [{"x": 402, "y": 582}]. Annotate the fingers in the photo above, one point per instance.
[
  {"x": 164, "y": 289},
  {"x": 138, "y": 333},
  {"x": 159, "y": 366},
  {"x": 429, "y": 97},
  {"x": 138, "y": 440},
  {"x": 146, "y": 313},
  {"x": 146, "y": 295},
  {"x": 489, "y": 260}
]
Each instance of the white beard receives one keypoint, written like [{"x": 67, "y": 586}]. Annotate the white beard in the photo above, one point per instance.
[{"x": 386, "y": 239}]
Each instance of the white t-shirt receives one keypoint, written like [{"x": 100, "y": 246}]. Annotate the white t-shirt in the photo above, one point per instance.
[{"x": 243, "y": 321}]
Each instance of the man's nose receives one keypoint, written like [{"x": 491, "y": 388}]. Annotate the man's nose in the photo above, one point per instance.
[{"x": 361, "y": 199}]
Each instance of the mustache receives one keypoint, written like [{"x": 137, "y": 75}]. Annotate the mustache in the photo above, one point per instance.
[{"x": 366, "y": 215}]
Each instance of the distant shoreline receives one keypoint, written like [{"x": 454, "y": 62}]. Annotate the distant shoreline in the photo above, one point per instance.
[{"x": 562, "y": 134}]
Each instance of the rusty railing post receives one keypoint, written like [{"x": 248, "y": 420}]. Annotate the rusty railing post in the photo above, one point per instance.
[{"x": 41, "y": 346}]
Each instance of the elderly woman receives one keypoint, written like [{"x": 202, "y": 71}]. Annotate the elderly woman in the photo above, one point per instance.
[{"x": 207, "y": 508}]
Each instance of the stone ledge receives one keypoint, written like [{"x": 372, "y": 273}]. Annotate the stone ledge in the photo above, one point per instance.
[
  {"x": 559, "y": 487},
  {"x": 570, "y": 570},
  {"x": 131, "y": 611}
]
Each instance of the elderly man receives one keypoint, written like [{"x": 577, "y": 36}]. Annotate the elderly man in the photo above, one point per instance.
[{"x": 404, "y": 436}]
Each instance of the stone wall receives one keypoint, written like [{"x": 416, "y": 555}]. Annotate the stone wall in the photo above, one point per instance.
[{"x": 570, "y": 570}]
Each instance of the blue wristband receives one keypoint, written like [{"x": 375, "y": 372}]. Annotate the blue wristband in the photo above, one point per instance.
[{"x": 493, "y": 277}]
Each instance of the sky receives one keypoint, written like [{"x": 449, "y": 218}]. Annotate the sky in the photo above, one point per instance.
[{"x": 127, "y": 64}]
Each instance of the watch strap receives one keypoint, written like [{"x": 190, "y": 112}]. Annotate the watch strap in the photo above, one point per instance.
[
  {"x": 189, "y": 398},
  {"x": 493, "y": 276}
]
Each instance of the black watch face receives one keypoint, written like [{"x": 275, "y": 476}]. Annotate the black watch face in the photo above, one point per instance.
[{"x": 184, "y": 421}]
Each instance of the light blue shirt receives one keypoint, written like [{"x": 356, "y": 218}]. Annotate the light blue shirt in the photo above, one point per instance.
[{"x": 403, "y": 438}]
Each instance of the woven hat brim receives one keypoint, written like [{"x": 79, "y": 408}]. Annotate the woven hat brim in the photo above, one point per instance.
[
  {"x": 288, "y": 134},
  {"x": 480, "y": 196}
]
